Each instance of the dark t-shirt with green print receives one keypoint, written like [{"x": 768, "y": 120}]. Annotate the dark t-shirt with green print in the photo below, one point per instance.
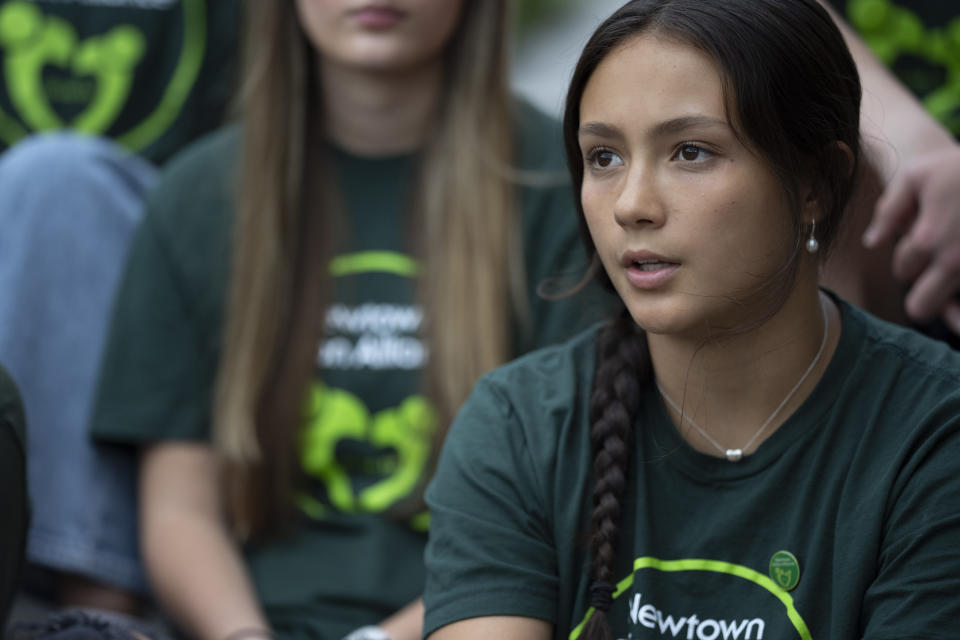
[
  {"x": 366, "y": 441},
  {"x": 13, "y": 491},
  {"x": 920, "y": 41},
  {"x": 150, "y": 74},
  {"x": 845, "y": 523}
]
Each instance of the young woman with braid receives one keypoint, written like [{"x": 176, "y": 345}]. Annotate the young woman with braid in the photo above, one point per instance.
[
  {"x": 738, "y": 454},
  {"x": 388, "y": 211}
]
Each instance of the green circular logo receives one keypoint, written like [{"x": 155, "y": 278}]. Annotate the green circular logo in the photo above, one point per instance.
[
  {"x": 785, "y": 570},
  {"x": 56, "y": 75}
]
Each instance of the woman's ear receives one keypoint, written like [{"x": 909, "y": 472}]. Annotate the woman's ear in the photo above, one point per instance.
[
  {"x": 813, "y": 203},
  {"x": 845, "y": 149}
]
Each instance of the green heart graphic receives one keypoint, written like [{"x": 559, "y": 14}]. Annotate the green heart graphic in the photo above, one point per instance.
[
  {"x": 32, "y": 42},
  {"x": 335, "y": 415},
  {"x": 102, "y": 66},
  {"x": 111, "y": 59}
]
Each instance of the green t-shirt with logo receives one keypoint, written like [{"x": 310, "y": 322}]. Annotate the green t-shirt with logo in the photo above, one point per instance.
[
  {"x": 366, "y": 439},
  {"x": 844, "y": 524},
  {"x": 920, "y": 41},
  {"x": 150, "y": 74},
  {"x": 13, "y": 491}
]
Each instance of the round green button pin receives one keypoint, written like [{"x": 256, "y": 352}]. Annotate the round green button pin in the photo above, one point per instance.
[{"x": 785, "y": 570}]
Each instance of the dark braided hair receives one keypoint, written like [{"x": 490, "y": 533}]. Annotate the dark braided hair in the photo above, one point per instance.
[
  {"x": 792, "y": 93},
  {"x": 623, "y": 366}
]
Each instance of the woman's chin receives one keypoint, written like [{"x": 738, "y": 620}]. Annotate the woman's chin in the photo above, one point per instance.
[{"x": 657, "y": 322}]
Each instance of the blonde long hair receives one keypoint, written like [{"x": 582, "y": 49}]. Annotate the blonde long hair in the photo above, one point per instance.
[{"x": 286, "y": 229}]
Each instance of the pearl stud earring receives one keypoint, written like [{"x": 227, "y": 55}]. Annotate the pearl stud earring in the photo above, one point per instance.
[{"x": 812, "y": 245}]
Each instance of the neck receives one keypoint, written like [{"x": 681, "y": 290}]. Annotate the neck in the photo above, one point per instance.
[
  {"x": 379, "y": 113},
  {"x": 730, "y": 386}
]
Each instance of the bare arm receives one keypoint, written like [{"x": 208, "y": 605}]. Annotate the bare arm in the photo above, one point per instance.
[
  {"x": 890, "y": 112},
  {"x": 918, "y": 163},
  {"x": 406, "y": 624},
  {"x": 501, "y": 627},
  {"x": 194, "y": 565}
]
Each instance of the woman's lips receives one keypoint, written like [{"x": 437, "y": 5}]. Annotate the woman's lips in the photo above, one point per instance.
[
  {"x": 377, "y": 18},
  {"x": 647, "y": 272}
]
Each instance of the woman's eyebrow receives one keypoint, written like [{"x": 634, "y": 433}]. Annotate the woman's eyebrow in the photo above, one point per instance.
[
  {"x": 682, "y": 123},
  {"x": 599, "y": 129}
]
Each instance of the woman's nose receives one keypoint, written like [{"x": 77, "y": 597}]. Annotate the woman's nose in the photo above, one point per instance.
[{"x": 638, "y": 202}]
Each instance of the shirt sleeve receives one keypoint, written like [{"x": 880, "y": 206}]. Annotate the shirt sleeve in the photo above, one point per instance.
[
  {"x": 157, "y": 374},
  {"x": 916, "y": 592},
  {"x": 491, "y": 550}
]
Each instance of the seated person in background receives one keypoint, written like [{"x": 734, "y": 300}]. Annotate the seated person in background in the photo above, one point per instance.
[
  {"x": 900, "y": 255},
  {"x": 93, "y": 97},
  {"x": 738, "y": 453},
  {"x": 309, "y": 299},
  {"x": 13, "y": 492}
]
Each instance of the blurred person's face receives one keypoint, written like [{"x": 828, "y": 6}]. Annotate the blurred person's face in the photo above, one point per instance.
[{"x": 379, "y": 35}]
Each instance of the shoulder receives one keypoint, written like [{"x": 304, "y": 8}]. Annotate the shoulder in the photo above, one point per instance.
[
  {"x": 900, "y": 394},
  {"x": 190, "y": 209},
  {"x": 901, "y": 426},
  {"x": 901, "y": 382},
  {"x": 916, "y": 360},
  {"x": 539, "y": 138},
  {"x": 540, "y": 174},
  {"x": 532, "y": 401},
  {"x": 545, "y": 368},
  {"x": 213, "y": 151},
  {"x": 508, "y": 486},
  {"x": 524, "y": 429},
  {"x": 201, "y": 176},
  {"x": 204, "y": 169},
  {"x": 179, "y": 259}
]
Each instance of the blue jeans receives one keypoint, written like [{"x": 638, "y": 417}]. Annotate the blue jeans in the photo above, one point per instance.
[{"x": 68, "y": 208}]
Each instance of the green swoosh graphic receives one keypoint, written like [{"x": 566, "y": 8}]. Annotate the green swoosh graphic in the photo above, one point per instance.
[
  {"x": 714, "y": 566},
  {"x": 374, "y": 262}
]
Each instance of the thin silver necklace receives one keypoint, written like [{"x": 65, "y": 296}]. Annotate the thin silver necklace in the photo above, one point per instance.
[{"x": 735, "y": 455}]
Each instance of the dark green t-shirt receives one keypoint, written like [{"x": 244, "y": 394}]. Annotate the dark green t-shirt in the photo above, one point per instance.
[
  {"x": 861, "y": 486},
  {"x": 13, "y": 491},
  {"x": 920, "y": 41},
  {"x": 366, "y": 439},
  {"x": 150, "y": 74}
]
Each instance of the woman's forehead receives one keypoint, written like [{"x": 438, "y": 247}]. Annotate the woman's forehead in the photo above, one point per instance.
[{"x": 653, "y": 79}]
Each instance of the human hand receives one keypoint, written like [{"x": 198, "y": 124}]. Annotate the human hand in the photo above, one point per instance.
[{"x": 922, "y": 202}]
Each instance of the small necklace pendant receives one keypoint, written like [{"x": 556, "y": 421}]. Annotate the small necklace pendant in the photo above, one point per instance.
[{"x": 734, "y": 455}]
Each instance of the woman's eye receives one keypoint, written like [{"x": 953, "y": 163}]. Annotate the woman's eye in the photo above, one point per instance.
[
  {"x": 692, "y": 153},
  {"x": 604, "y": 159}
]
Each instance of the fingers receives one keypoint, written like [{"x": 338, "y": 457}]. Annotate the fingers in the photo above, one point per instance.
[
  {"x": 894, "y": 209},
  {"x": 914, "y": 251},
  {"x": 923, "y": 205},
  {"x": 926, "y": 201},
  {"x": 934, "y": 289}
]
